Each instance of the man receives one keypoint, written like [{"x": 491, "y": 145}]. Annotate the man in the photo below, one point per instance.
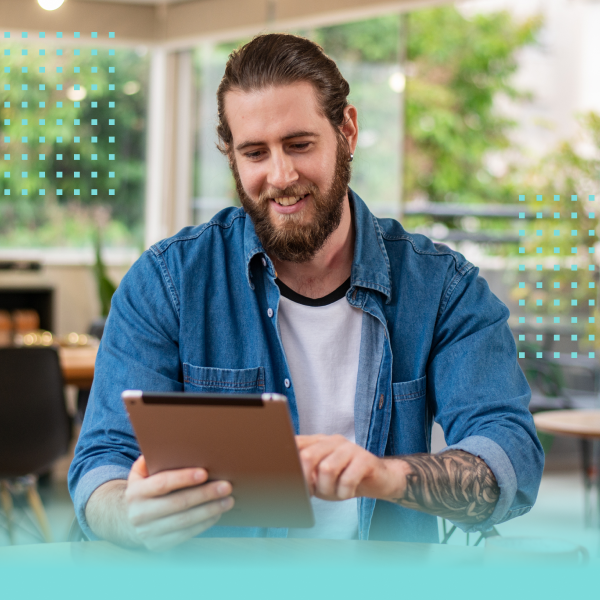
[{"x": 369, "y": 331}]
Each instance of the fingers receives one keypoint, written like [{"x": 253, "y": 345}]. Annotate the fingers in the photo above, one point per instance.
[
  {"x": 139, "y": 470},
  {"x": 323, "y": 459},
  {"x": 170, "y": 540},
  {"x": 162, "y": 483},
  {"x": 170, "y": 507},
  {"x": 144, "y": 510},
  {"x": 335, "y": 468},
  {"x": 351, "y": 478},
  {"x": 303, "y": 441},
  {"x": 178, "y": 525},
  {"x": 329, "y": 470},
  {"x": 312, "y": 454}
]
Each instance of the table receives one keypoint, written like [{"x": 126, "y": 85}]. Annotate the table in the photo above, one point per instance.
[
  {"x": 256, "y": 551},
  {"x": 232, "y": 568},
  {"x": 78, "y": 365},
  {"x": 582, "y": 424},
  {"x": 265, "y": 569},
  {"x": 585, "y": 425}
]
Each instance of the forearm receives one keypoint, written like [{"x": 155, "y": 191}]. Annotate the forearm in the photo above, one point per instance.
[
  {"x": 106, "y": 514},
  {"x": 455, "y": 485}
]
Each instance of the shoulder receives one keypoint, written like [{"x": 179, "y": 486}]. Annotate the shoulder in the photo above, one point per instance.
[
  {"x": 229, "y": 221},
  {"x": 192, "y": 253},
  {"x": 419, "y": 250}
]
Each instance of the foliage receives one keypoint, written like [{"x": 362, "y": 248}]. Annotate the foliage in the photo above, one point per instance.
[
  {"x": 563, "y": 187},
  {"x": 371, "y": 41},
  {"x": 455, "y": 67},
  {"x": 69, "y": 148},
  {"x": 573, "y": 168}
]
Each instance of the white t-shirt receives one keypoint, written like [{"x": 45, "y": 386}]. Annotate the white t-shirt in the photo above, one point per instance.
[{"x": 321, "y": 339}]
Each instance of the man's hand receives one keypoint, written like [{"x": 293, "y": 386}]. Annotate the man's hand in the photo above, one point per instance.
[
  {"x": 454, "y": 484},
  {"x": 337, "y": 469},
  {"x": 158, "y": 511}
]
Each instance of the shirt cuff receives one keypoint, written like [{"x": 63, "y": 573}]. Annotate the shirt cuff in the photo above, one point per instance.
[
  {"x": 499, "y": 463},
  {"x": 87, "y": 485}
]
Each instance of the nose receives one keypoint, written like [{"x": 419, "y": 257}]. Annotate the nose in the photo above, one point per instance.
[{"x": 282, "y": 172}]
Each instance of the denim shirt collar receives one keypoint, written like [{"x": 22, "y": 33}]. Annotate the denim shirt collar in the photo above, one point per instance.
[{"x": 370, "y": 266}]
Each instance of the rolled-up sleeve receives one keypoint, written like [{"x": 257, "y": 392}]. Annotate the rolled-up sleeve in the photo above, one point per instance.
[
  {"x": 480, "y": 396},
  {"x": 139, "y": 350},
  {"x": 499, "y": 463},
  {"x": 87, "y": 485}
]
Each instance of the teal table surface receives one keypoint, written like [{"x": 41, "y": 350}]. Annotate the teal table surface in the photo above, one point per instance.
[
  {"x": 247, "y": 552},
  {"x": 279, "y": 568}
]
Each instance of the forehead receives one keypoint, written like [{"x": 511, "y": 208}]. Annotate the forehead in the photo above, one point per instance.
[{"x": 273, "y": 112}]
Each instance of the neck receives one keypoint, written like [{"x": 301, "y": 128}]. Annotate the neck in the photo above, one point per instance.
[{"x": 329, "y": 268}]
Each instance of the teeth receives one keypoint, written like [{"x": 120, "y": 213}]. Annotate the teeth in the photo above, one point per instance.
[{"x": 288, "y": 200}]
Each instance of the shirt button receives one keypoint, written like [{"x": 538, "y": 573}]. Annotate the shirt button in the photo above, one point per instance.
[
  {"x": 270, "y": 312},
  {"x": 264, "y": 262},
  {"x": 287, "y": 383}
]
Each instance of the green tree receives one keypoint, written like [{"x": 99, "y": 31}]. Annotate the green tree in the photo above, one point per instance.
[
  {"x": 73, "y": 125},
  {"x": 570, "y": 176},
  {"x": 455, "y": 68}
]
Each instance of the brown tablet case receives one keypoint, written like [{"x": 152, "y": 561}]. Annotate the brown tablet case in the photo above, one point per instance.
[{"x": 245, "y": 439}]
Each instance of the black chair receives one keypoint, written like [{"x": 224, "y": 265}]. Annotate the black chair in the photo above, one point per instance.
[{"x": 35, "y": 428}]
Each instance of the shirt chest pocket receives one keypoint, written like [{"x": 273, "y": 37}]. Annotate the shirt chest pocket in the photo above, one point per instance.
[
  {"x": 409, "y": 427},
  {"x": 223, "y": 381}
]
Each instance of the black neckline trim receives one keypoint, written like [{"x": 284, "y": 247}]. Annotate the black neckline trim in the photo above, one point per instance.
[{"x": 336, "y": 295}]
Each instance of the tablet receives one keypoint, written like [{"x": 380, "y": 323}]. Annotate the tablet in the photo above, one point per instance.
[{"x": 246, "y": 439}]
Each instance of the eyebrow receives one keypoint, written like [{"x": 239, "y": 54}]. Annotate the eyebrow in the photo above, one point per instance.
[{"x": 294, "y": 134}]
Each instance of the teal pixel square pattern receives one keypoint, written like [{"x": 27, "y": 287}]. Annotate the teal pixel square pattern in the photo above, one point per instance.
[
  {"x": 20, "y": 152},
  {"x": 556, "y": 279}
]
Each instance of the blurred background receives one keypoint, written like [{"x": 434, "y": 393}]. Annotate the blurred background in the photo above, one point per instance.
[{"x": 479, "y": 123}]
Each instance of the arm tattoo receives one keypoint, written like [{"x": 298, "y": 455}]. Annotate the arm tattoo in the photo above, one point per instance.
[{"x": 455, "y": 485}]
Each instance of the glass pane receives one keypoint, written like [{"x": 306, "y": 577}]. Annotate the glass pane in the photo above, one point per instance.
[
  {"x": 367, "y": 55},
  {"x": 72, "y": 145}
]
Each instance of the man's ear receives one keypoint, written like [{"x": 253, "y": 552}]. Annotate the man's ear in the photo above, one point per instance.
[{"x": 349, "y": 127}]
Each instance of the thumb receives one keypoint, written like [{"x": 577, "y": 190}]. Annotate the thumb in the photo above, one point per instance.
[{"x": 139, "y": 470}]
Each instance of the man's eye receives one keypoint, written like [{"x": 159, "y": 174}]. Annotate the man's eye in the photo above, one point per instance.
[
  {"x": 301, "y": 146},
  {"x": 255, "y": 154}
]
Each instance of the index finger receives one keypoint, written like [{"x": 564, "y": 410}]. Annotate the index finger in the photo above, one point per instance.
[
  {"x": 165, "y": 482},
  {"x": 304, "y": 441}
]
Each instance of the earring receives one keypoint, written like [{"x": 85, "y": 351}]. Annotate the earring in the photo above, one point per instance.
[{"x": 351, "y": 158}]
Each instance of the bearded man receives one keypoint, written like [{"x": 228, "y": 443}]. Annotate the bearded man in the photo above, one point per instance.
[{"x": 370, "y": 332}]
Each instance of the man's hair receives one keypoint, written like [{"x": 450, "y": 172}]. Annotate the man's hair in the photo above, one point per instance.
[{"x": 281, "y": 59}]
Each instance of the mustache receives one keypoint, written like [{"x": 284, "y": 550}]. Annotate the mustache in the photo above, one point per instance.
[{"x": 295, "y": 190}]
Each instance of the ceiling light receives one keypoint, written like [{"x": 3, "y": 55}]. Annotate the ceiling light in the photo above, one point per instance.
[
  {"x": 76, "y": 95},
  {"x": 397, "y": 82},
  {"x": 50, "y": 4}
]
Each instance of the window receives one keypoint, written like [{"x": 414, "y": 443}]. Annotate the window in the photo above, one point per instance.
[
  {"x": 367, "y": 55},
  {"x": 58, "y": 120}
]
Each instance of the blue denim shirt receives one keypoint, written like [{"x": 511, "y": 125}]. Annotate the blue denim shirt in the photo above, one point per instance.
[{"x": 193, "y": 314}]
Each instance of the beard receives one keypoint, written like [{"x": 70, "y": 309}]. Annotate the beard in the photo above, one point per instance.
[{"x": 293, "y": 240}]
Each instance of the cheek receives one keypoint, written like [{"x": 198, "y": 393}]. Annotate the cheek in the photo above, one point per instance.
[
  {"x": 252, "y": 181},
  {"x": 321, "y": 171}
]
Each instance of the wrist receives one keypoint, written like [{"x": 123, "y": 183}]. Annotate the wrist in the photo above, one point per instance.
[
  {"x": 395, "y": 476},
  {"x": 106, "y": 514}
]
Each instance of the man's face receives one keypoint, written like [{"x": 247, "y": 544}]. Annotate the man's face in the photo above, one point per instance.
[{"x": 290, "y": 166}]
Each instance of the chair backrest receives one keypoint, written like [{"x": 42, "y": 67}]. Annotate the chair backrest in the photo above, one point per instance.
[{"x": 35, "y": 428}]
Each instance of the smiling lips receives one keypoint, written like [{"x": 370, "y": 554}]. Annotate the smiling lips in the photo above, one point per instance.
[{"x": 288, "y": 200}]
